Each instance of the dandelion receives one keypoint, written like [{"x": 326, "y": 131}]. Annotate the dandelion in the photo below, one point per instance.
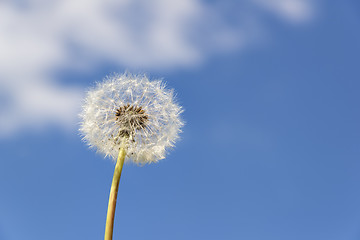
[{"x": 129, "y": 118}]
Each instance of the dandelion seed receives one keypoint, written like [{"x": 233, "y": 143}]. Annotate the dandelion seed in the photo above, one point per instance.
[
  {"x": 129, "y": 118},
  {"x": 131, "y": 106}
]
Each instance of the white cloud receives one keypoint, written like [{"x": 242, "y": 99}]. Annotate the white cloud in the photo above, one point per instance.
[
  {"x": 295, "y": 11},
  {"x": 38, "y": 37}
]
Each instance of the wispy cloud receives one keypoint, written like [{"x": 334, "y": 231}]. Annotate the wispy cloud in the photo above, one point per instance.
[
  {"x": 39, "y": 37},
  {"x": 295, "y": 11}
]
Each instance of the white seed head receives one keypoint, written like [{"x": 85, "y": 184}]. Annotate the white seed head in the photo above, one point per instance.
[{"x": 133, "y": 108}]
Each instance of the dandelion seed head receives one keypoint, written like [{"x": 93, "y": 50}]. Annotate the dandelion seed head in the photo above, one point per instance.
[{"x": 134, "y": 108}]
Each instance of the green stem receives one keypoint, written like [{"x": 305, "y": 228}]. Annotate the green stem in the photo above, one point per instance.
[{"x": 113, "y": 195}]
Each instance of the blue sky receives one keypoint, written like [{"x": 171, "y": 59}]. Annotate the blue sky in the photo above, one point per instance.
[{"x": 270, "y": 149}]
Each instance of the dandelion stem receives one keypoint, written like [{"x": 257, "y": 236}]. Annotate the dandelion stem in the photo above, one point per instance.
[{"x": 113, "y": 195}]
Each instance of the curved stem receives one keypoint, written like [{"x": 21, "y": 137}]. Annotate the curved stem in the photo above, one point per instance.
[{"x": 113, "y": 195}]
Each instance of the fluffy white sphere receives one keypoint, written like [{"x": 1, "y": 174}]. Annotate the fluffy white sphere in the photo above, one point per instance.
[{"x": 131, "y": 108}]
